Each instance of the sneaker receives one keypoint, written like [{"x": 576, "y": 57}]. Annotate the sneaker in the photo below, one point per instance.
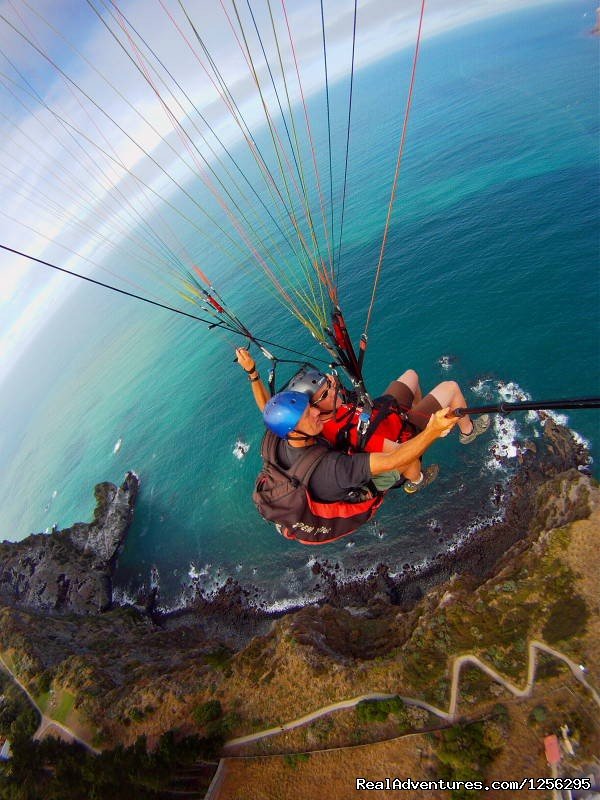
[
  {"x": 480, "y": 425},
  {"x": 429, "y": 475}
]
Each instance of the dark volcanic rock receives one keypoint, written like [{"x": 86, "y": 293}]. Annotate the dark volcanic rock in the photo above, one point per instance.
[
  {"x": 548, "y": 491},
  {"x": 71, "y": 570},
  {"x": 128, "y": 659}
]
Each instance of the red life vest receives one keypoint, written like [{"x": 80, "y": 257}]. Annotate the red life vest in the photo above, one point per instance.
[
  {"x": 388, "y": 421},
  {"x": 281, "y": 496}
]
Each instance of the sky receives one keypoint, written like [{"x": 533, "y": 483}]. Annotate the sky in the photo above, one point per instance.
[{"x": 48, "y": 125}]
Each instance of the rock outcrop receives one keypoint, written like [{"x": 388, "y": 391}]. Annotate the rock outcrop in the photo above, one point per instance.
[
  {"x": 550, "y": 489},
  {"x": 135, "y": 672},
  {"x": 70, "y": 571}
]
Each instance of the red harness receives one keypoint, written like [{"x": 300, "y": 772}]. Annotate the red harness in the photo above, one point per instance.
[{"x": 388, "y": 421}]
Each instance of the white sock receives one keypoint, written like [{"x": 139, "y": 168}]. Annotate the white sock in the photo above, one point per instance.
[{"x": 419, "y": 479}]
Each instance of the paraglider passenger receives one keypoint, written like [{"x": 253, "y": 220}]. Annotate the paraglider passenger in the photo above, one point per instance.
[
  {"x": 340, "y": 477},
  {"x": 398, "y": 416}
]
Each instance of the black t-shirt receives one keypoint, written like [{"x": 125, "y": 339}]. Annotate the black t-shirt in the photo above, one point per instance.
[{"x": 336, "y": 478}]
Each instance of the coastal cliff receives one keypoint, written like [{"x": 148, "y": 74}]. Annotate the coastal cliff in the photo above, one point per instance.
[
  {"x": 226, "y": 668},
  {"x": 70, "y": 570}
]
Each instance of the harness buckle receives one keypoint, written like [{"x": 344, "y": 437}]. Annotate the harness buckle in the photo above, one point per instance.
[{"x": 363, "y": 422}]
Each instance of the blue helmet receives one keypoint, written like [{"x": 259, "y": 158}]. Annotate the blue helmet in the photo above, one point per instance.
[
  {"x": 307, "y": 380},
  {"x": 283, "y": 411}
]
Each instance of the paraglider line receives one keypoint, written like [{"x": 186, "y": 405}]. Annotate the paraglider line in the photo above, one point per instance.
[
  {"x": 113, "y": 288},
  {"x": 339, "y": 252},
  {"x": 328, "y": 130},
  {"x": 398, "y": 164},
  {"x": 210, "y": 323}
]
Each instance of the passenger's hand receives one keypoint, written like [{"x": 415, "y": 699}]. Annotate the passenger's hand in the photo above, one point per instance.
[
  {"x": 244, "y": 358},
  {"x": 442, "y": 422}
]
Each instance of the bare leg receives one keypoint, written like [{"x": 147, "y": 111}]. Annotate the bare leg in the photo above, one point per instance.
[
  {"x": 448, "y": 393},
  {"x": 412, "y": 471}
]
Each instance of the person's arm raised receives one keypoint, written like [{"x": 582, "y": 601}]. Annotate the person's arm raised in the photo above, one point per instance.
[
  {"x": 259, "y": 390},
  {"x": 440, "y": 424}
]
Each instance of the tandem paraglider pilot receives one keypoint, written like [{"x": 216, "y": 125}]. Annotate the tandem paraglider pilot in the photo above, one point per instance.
[{"x": 315, "y": 493}]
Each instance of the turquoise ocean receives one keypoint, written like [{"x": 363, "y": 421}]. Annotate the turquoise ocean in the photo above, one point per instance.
[{"x": 492, "y": 261}]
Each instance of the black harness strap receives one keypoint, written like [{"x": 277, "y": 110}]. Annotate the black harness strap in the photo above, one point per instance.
[
  {"x": 341, "y": 439},
  {"x": 385, "y": 406}
]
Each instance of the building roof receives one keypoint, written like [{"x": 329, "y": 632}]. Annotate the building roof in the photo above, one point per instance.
[{"x": 552, "y": 749}]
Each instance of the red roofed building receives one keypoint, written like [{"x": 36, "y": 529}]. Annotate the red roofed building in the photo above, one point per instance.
[{"x": 552, "y": 749}]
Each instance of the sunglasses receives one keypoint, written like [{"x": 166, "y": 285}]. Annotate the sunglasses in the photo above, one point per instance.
[{"x": 325, "y": 394}]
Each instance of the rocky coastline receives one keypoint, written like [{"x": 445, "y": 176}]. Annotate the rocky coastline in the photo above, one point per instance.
[
  {"x": 550, "y": 489},
  {"x": 140, "y": 670},
  {"x": 71, "y": 570}
]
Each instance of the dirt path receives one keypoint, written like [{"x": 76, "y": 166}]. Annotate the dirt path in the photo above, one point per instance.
[
  {"x": 534, "y": 645},
  {"x": 46, "y": 723},
  {"x": 450, "y": 714}
]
